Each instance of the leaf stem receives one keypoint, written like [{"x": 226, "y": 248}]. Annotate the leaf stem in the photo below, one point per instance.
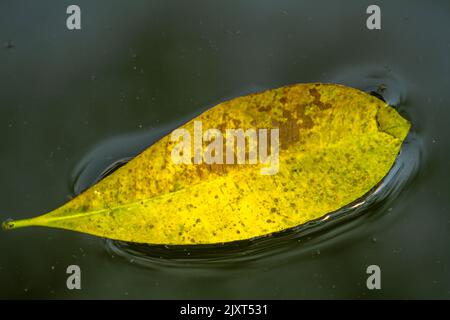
[{"x": 14, "y": 224}]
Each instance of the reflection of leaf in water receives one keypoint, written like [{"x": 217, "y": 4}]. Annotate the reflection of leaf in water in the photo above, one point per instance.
[{"x": 336, "y": 143}]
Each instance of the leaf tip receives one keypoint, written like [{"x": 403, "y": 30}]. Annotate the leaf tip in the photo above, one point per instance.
[
  {"x": 8, "y": 224},
  {"x": 391, "y": 122}
]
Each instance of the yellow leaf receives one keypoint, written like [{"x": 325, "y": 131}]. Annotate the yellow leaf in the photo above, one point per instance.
[{"x": 335, "y": 144}]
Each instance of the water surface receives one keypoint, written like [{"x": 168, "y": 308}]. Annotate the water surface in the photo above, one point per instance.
[{"x": 72, "y": 104}]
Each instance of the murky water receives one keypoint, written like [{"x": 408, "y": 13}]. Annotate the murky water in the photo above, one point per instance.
[{"x": 74, "y": 105}]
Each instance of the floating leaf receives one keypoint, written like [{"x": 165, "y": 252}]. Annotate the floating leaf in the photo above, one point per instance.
[{"x": 335, "y": 144}]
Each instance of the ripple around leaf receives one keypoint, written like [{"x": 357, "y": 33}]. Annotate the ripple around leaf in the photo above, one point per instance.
[
  {"x": 302, "y": 238},
  {"x": 110, "y": 155}
]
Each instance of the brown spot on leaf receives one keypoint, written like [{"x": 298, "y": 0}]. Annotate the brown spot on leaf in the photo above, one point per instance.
[{"x": 317, "y": 101}]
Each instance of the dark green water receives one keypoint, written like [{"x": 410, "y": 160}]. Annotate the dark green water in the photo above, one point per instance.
[{"x": 73, "y": 103}]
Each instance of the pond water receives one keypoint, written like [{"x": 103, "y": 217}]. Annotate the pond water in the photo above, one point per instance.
[{"x": 76, "y": 104}]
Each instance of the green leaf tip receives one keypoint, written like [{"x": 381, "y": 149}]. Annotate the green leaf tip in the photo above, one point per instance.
[
  {"x": 8, "y": 224},
  {"x": 11, "y": 224}
]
